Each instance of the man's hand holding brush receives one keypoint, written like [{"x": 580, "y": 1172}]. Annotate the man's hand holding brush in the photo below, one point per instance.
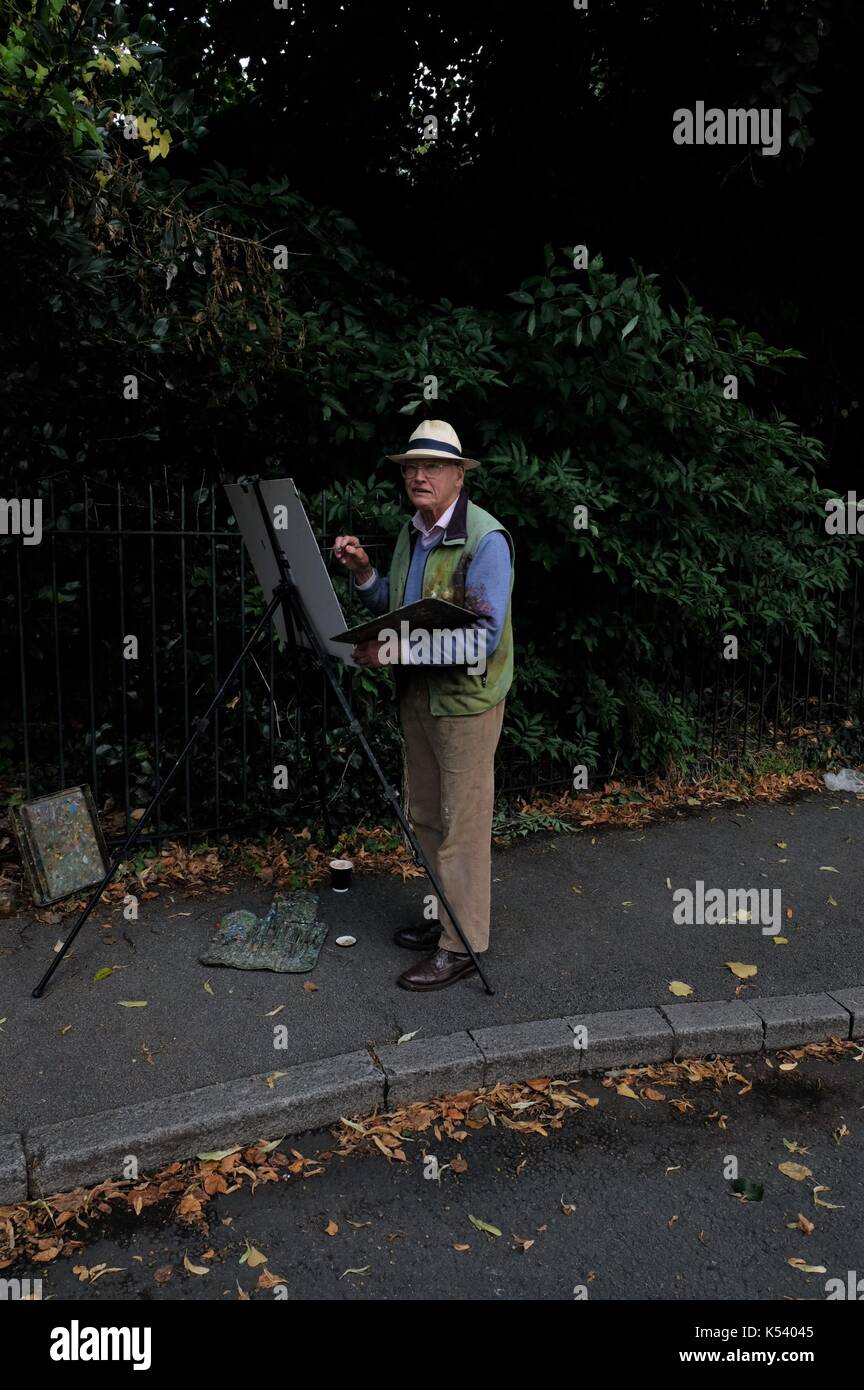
[{"x": 350, "y": 553}]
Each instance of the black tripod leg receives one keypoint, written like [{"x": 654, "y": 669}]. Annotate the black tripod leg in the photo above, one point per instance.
[
  {"x": 293, "y": 652},
  {"x": 316, "y": 762},
  {"x": 118, "y": 859}
]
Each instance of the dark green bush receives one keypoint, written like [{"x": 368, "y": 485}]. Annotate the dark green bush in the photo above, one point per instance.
[{"x": 588, "y": 390}]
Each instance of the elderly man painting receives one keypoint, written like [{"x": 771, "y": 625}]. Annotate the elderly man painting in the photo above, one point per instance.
[{"x": 451, "y": 714}]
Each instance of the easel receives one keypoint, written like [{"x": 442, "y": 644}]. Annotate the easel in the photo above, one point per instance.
[{"x": 286, "y": 595}]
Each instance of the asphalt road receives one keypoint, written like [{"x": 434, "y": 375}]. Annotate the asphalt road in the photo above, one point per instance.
[{"x": 653, "y": 1215}]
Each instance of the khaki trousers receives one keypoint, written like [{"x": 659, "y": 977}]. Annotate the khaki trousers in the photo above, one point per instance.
[{"x": 449, "y": 796}]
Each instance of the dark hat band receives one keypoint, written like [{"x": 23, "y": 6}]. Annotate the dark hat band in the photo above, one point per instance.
[{"x": 438, "y": 444}]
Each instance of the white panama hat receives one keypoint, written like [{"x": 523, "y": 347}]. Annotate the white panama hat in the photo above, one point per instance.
[{"x": 434, "y": 439}]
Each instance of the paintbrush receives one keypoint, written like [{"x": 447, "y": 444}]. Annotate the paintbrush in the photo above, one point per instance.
[{"x": 331, "y": 549}]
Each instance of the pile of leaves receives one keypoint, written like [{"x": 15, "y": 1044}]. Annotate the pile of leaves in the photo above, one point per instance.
[
  {"x": 291, "y": 860},
  {"x": 52, "y": 1227},
  {"x": 542, "y": 1104},
  {"x": 625, "y": 805},
  {"x": 60, "y": 1226}
]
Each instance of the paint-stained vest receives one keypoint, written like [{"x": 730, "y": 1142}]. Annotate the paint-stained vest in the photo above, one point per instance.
[{"x": 452, "y": 690}]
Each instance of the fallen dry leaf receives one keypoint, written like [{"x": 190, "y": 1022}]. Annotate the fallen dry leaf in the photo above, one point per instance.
[
  {"x": 794, "y": 1147},
  {"x": 802, "y": 1224},
  {"x": 589, "y": 1100},
  {"x": 830, "y": 1206},
  {"x": 268, "y": 1148},
  {"x": 89, "y": 1276},
  {"x": 740, "y": 970},
  {"x": 252, "y": 1257},
  {"x": 796, "y": 1171}
]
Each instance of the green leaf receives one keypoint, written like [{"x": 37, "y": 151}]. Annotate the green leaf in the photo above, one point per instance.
[
  {"x": 104, "y": 973},
  {"x": 483, "y": 1226},
  {"x": 749, "y": 1190}
]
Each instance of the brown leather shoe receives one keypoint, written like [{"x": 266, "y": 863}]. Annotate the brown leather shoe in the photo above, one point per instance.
[
  {"x": 437, "y": 971},
  {"x": 423, "y": 938}
]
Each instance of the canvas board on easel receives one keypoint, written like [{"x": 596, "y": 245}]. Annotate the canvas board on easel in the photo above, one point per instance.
[{"x": 296, "y": 540}]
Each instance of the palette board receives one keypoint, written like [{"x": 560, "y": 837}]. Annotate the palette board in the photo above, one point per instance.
[{"x": 61, "y": 844}]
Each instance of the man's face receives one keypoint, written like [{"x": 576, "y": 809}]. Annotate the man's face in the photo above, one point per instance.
[{"x": 431, "y": 487}]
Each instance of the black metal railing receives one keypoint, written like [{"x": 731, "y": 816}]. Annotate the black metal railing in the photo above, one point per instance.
[
  {"x": 136, "y": 602},
  {"x": 126, "y": 616}
]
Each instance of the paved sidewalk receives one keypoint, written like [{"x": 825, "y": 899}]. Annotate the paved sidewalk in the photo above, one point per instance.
[{"x": 555, "y": 953}]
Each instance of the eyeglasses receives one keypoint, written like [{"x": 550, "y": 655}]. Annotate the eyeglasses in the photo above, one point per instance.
[{"x": 433, "y": 470}]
